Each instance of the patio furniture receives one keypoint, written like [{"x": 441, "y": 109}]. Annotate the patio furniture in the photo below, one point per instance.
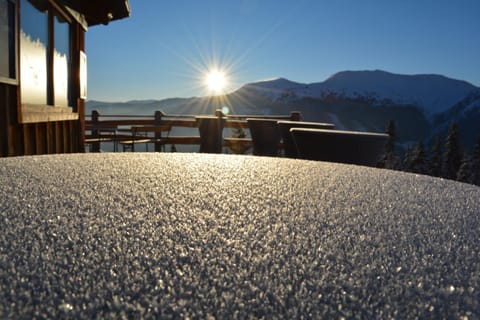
[
  {"x": 143, "y": 134},
  {"x": 211, "y": 133},
  {"x": 100, "y": 133},
  {"x": 288, "y": 145},
  {"x": 265, "y": 136},
  {"x": 354, "y": 147}
]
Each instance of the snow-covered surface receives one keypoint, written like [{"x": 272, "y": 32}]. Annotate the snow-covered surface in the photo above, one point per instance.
[
  {"x": 203, "y": 236},
  {"x": 433, "y": 93}
]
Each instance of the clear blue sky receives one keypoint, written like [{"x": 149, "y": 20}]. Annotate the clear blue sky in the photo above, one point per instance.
[{"x": 165, "y": 47}]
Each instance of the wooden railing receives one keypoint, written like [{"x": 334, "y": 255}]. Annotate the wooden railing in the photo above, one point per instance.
[{"x": 119, "y": 129}]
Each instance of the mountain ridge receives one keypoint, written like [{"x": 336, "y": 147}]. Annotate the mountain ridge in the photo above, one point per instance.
[
  {"x": 423, "y": 105},
  {"x": 433, "y": 93}
]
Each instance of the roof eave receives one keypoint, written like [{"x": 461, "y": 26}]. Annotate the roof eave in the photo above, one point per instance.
[{"x": 100, "y": 11}]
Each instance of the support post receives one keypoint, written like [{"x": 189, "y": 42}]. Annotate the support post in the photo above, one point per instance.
[
  {"x": 95, "y": 131},
  {"x": 158, "y": 134}
]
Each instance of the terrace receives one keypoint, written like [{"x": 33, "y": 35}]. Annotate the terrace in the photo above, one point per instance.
[
  {"x": 267, "y": 135},
  {"x": 116, "y": 130}
]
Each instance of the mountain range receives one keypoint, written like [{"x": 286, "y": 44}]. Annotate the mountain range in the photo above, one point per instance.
[{"x": 422, "y": 106}]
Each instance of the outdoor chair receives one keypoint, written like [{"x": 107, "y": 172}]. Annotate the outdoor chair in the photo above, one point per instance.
[
  {"x": 354, "y": 147},
  {"x": 265, "y": 136},
  {"x": 288, "y": 144},
  {"x": 211, "y": 133}
]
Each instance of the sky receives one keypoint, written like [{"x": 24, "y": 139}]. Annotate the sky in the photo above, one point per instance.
[{"x": 165, "y": 49}]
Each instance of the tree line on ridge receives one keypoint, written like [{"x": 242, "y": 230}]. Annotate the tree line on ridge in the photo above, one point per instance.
[{"x": 445, "y": 159}]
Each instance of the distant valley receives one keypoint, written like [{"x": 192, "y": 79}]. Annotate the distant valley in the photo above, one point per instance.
[{"x": 422, "y": 106}]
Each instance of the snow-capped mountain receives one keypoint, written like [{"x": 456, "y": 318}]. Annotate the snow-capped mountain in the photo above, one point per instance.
[
  {"x": 274, "y": 89},
  {"x": 432, "y": 93}
]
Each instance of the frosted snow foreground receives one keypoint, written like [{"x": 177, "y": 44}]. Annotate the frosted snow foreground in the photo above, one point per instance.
[{"x": 196, "y": 235}]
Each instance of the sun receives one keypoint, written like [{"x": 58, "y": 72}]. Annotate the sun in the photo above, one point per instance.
[{"x": 216, "y": 81}]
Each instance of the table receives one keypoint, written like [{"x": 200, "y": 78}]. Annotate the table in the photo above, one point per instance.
[
  {"x": 224, "y": 236},
  {"x": 100, "y": 134},
  {"x": 141, "y": 134}
]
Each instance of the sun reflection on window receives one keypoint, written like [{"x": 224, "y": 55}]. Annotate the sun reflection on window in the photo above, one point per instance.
[
  {"x": 45, "y": 74},
  {"x": 61, "y": 62},
  {"x": 33, "y": 54}
]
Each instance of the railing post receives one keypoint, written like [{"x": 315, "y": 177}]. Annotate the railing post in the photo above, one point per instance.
[
  {"x": 158, "y": 134},
  {"x": 221, "y": 119},
  {"x": 95, "y": 131}
]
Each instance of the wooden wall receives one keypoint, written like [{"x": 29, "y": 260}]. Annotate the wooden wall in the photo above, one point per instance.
[
  {"x": 10, "y": 136},
  {"x": 18, "y": 139},
  {"x": 66, "y": 136}
]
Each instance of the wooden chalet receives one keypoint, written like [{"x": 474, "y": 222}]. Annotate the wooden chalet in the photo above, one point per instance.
[{"x": 43, "y": 72}]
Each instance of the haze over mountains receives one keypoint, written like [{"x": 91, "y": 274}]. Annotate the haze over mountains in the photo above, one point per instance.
[{"x": 421, "y": 105}]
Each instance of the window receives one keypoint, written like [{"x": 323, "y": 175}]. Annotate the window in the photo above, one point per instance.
[
  {"x": 61, "y": 61},
  {"x": 45, "y": 55},
  {"x": 33, "y": 53},
  {"x": 8, "y": 70}
]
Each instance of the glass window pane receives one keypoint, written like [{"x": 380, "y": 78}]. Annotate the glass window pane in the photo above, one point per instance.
[
  {"x": 33, "y": 52},
  {"x": 7, "y": 39},
  {"x": 61, "y": 61}
]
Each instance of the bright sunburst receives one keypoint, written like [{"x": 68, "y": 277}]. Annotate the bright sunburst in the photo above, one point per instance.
[{"x": 216, "y": 81}]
